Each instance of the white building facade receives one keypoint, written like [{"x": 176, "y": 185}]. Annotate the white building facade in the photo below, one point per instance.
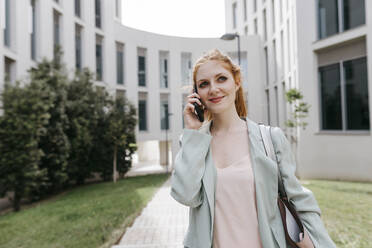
[
  {"x": 151, "y": 70},
  {"x": 324, "y": 49}
]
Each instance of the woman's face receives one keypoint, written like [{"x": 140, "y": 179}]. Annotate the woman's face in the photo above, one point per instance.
[{"x": 214, "y": 80}]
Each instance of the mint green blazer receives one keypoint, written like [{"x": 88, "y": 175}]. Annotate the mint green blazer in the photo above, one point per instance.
[{"x": 193, "y": 184}]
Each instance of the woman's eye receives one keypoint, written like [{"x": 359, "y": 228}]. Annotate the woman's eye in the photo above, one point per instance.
[
  {"x": 202, "y": 84},
  {"x": 223, "y": 78}
]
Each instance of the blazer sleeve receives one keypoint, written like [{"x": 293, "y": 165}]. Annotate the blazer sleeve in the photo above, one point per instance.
[
  {"x": 189, "y": 167},
  {"x": 302, "y": 198}
]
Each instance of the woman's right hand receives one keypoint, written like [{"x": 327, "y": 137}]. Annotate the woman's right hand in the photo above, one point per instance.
[{"x": 190, "y": 118}]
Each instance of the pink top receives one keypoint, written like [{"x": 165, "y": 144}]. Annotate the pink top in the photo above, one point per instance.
[{"x": 235, "y": 223}]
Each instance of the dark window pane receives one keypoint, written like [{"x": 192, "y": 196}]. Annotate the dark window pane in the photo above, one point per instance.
[
  {"x": 164, "y": 118},
  {"x": 119, "y": 69},
  {"x": 356, "y": 80},
  {"x": 78, "y": 47},
  {"x": 98, "y": 13},
  {"x": 77, "y": 8},
  {"x": 99, "y": 62},
  {"x": 7, "y": 23},
  {"x": 141, "y": 71},
  {"x": 354, "y": 13},
  {"x": 33, "y": 38},
  {"x": 327, "y": 17},
  {"x": 330, "y": 97},
  {"x": 142, "y": 115}
]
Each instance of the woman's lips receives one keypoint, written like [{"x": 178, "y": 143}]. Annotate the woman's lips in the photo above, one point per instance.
[{"x": 216, "y": 100}]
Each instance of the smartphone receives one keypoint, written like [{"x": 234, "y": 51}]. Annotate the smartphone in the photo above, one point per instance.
[{"x": 198, "y": 109}]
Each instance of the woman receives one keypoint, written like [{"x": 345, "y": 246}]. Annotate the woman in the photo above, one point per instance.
[{"x": 223, "y": 174}]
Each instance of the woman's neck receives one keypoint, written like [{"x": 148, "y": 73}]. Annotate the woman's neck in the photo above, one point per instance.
[{"x": 223, "y": 124}]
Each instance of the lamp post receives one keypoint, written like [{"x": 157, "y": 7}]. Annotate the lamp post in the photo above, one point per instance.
[
  {"x": 231, "y": 36},
  {"x": 166, "y": 138}
]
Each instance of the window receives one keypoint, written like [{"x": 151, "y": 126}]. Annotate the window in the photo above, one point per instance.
[
  {"x": 289, "y": 47},
  {"x": 281, "y": 10},
  {"x": 276, "y": 105},
  {"x": 284, "y": 101},
  {"x": 78, "y": 54},
  {"x": 275, "y": 64},
  {"x": 336, "y": 16},
  {"x": 254, "y": 5},
  {"x": 186, "y": 68},
  {"x": 264, "y": 24},
  {"x": 344, "y": 95},
  {"x": 282, "y": 52},
  {"x": 57, "y": 30},
  {"x": 98, "y": 13},
  {"x": 118, "y": 8},
  {"x": 99, "y": 58},
  {"x": 141, "y": 67},
  {"x": 354, "y": 13},
  {"x": 328, "y": 17},
  {"x": 266, "y": 66},
  {"x": 7, "y": 27},
  {"x": 246, "y": 30},
  {"x": 78, "y": 8},
  {"x": 142, "y": 114},
  {"x": 9, "y": 69},
  {"x": 119, "y": 63},
  {"x": 33, "y": 31},
  {"x": 245, "y": 9},
  {"x": 255, "y": 26},
  {"x": 273, "y": 14},
  {"x": 268, "y": 106},
  {"x": 164, "y": 111},
  {"x": 163, "y": 62},
  {"x": 234, "y": 14}
]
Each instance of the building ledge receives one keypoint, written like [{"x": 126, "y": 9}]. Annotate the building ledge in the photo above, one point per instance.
[{"x": 340, "y": 39}]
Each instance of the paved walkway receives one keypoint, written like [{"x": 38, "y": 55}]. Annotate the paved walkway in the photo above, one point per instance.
[{"x": 162, "y": 223}]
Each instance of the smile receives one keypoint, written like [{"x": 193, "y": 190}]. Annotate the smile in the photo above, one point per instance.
[{"x": 216, "y": 100}]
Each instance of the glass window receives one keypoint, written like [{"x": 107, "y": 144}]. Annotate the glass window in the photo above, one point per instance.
[
  {"x": 119, "y": 64},
  {"x": 234, "y": 14},
  {"x": 273, "y": 14},
  {"x": 268, "y": 106},
  {"x": 255, "y": 26},
  {"x": 99, "y": 69},
  {"x": 163, "y": 62},
  {"x": 56, "y": 31},
  {"x": 142, "y": 115},
  {"x": 264, "y": 24},
  {"x": 78, "y": 8},
  {"x": 164, "y": 115},
  {"x": 245, "y": 9},
  {"x": 33, "y": 32},
  {"x": 254, "y": 5},
  {"x": 98, "y": 13},
  {"x": 78, "y": 47},
  {"x": 354, "y": 13},
  {"x": 186, "y": 68},
  {"x": 327, "y": 17},
  {"x": 7, "y": 23},
  {"x": 356, "y": 93},
  {"x": 266, "y": 65},
  {"x": 330, "y": 97},
  {"x": 141, "y": 70}
]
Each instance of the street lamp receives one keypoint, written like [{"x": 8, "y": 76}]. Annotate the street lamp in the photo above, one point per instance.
[
  {"x": 231, "y": 36},
  {"x": 166, "y": 138}
]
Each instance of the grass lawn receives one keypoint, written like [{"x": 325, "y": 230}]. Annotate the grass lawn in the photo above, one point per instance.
[
  {"x": 88, "y": 216},
  {"x": 346, "y": 211}
]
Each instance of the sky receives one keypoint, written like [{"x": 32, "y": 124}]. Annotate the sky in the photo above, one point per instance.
[{"x": 184, "y": 18}]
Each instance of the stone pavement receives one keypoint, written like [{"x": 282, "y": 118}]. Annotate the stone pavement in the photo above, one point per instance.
[{"x": 162, "y": 223}]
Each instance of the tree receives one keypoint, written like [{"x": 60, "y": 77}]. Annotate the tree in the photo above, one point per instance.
[
  {"x": 120, "y": 133},
  {"x": 22, "y": 125},
  {"x": 54, "y": 143},
  {"x": 299, "y": 111}
]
